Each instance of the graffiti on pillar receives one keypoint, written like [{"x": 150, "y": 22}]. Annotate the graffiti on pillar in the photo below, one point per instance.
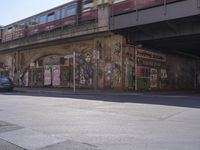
[
  {"x": 56, "y": 75},
  {"x": 112, "y": 74},
  {"x": 153, "y": 78},
  {"x": 86, "y": 70},
  {"x": 163, "y": 73},
  {"x": 25, "y": 79},
  {"x": 22, "y": 59},
  {"x": 97, "y": 54},
  {"x": 47, "y": 75},
  {"x": 108, "y": 74},
  {"x": 86, "y": 75},
  {"x": 116, "y": 76},
  {"x": 130, "y": 70},
  {"x": 88, "y": 57},
  {"x": 117, "y": 48}
]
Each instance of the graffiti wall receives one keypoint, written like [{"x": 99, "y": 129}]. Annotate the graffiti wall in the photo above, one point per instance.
[
  {"x": 103, "y": 62},
  {"x": 47, "y": 75},
  {"x": 115, "y": 65},
  {"x": 86, "y": 69},
  {"x": 151, "y": 69},
  {"x": 129, "y": 65},
  {"x": 181, "y": 72}
]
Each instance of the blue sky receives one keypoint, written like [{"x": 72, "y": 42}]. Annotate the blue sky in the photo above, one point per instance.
[{"x": 14, "y": 10}]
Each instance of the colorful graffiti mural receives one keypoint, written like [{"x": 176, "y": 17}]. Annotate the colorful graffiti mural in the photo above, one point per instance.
[
  {"x": 153, "y": 78},
  {"x": 116, "y": 76},
  {"x": 47, "y": 75},
  {"x": 150, "y": 69},
  {"x": 117, "y": 47},
  {"x": 55, "y": 75},
  {"x": 86, "y": 75},
  {"x": 129, "y": 69},
  {"x": 108, "y": 74},
  {"x": 112, "y": 75}
]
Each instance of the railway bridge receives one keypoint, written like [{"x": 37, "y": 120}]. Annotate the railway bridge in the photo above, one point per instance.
[{"x": 154, "y": 48}]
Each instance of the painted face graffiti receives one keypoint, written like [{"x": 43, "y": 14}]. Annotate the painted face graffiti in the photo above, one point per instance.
[
  {"x": 108, "y": 74},
  {"x": 117, "y": 48},
  {"x": 116, "y": 76},
  {"x": 88, "y": 57},
  {"x": 86, "y": 75}
]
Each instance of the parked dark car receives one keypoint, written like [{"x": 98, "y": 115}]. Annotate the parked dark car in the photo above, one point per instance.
[{"x": 6, "y": 84}]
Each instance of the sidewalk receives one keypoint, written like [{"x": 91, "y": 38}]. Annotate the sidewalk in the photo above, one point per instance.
[{"x": 67, "y": 91}]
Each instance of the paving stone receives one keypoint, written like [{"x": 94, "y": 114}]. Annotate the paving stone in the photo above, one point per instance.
[
  {"x": 30, "y": 139},
  {"x": 4, "y": 145},
  {"x": 70, "y": 145}
]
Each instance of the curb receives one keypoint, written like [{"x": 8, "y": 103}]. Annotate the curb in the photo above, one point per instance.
[{"x": 77, "y": 93}]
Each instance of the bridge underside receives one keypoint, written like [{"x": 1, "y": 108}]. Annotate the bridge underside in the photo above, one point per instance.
[
  {"x": 186, "y": 45},
  {"x": 174, "y": 36}
]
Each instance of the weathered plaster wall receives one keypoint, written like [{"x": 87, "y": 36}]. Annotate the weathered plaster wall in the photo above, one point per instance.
[{"x": 102, "y": 62}]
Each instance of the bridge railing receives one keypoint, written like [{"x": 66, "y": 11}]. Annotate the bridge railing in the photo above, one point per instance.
[{"x": 124, "y": 6}]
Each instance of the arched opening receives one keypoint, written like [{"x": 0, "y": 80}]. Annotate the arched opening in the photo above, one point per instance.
[{"x": 56, "y": 70}]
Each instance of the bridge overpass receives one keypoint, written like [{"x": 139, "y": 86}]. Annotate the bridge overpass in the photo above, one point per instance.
[
  {"x": 152, "y": 48},
  {"x": 171, "y": 27}
]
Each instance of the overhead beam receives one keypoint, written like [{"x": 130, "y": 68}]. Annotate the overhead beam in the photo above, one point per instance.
[{"x": 176, "y": 10}]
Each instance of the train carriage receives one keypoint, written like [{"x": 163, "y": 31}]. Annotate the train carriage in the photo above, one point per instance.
[
  {"x": 89, "y": 10},
  {"x": 63, "y": 15}
]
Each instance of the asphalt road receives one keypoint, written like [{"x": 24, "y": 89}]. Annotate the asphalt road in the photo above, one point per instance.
[{"x": 44, "y": 121}]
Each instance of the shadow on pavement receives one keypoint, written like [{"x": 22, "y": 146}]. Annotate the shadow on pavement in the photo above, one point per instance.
[{"x": 169, "y": 99}]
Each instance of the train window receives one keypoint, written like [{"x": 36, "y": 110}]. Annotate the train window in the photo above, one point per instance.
[
  {"x": 61, "y": 13},
  {"x": 20, "y": 26},
  {"x": 118, "y": 1},
  {"x": 87, "y": 5},
  {"x": 42, "y": 19},
  {"x": 87, "y": 2},
  {"x": 71, "y": 10},
  {"x": 32, "y": 22},
  {"x": 51, "y": 17},
  {"x": 88, "y": 9},
  {"x": 36, "y": 20},
  {"x": 10, "y": 29}
]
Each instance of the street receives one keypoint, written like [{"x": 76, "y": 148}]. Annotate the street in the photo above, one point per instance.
[{"x": 44, "y": 121}]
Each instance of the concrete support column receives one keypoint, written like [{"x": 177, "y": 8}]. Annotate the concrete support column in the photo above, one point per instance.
[{"x": 103, "y": 15}]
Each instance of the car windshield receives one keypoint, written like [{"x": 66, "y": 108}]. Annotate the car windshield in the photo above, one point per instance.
[{"x": 4, "y": 80}]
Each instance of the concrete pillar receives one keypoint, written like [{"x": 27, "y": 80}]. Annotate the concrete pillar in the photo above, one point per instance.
[{"x": 103, "y": 14}]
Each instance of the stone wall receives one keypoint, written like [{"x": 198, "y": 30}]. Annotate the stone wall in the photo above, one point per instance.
[{"x": 181, "y": 72}]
